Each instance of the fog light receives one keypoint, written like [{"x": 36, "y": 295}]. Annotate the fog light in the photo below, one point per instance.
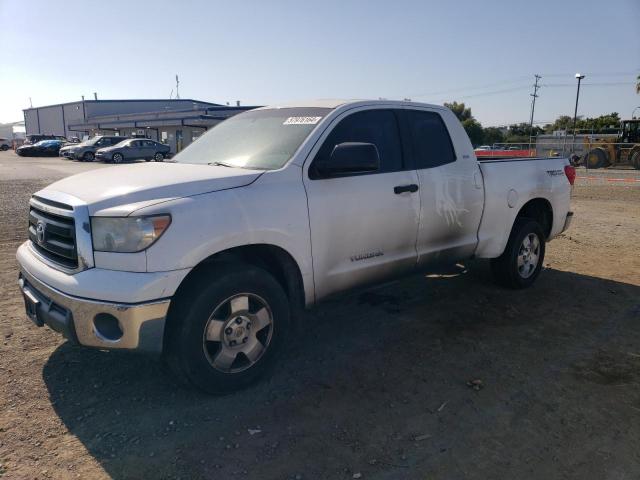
[{"x": 107, "y": 327}]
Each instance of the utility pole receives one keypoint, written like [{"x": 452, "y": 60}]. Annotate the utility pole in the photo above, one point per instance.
[
  {"x": 177, "y": 87},
  {"x": 533, "y": 108},
  {"x": 579, "y": 77}
]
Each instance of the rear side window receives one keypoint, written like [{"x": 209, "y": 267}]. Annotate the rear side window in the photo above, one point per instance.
[
  {"x": 379, "y": 127},
  {"x": 430, "y": 139}
]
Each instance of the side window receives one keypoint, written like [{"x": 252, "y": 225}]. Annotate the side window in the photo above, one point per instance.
[
  {"x": 379, "y": 127},
  {"x": 430, "y": 138}
]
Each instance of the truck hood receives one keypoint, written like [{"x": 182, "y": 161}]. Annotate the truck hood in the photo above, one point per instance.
[{"x": 122, "y": 189}]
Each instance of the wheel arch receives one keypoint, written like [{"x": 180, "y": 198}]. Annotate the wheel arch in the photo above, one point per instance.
[
  {"x": 540, "y": 210},
  {"x": 274, "y": 259}
]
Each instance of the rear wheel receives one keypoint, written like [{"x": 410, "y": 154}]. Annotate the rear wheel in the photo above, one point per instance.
[
  {"x": 224, "y": 335},
  {"x": 158, "y": 157},
  {"x": 595, "y": 158},
  {"x": 117, "y": 158},
  {"x": 521, "y": 262}
]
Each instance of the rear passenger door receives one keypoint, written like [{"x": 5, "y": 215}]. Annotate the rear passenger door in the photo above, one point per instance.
[
  {"x": 137, "y": 150},
  {"x": 363, "y": 229},
  {"x": 451, "y": 192}
]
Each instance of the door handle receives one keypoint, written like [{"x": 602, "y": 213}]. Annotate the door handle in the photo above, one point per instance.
[{"x": 405, "y": 188}]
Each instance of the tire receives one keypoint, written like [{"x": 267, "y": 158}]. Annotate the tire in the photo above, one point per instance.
[
  {"x": 595, "y": 158},
  {"x": 158, "y": 157},
  {"x": 117, "y": 158},
  {"x": 88, "y": 157},
  {"x": 224, "y": 306},
  {"x": 518, "y": 267},
  {"x": 635, "y": 159},
  {"x": 4, "y": 148}
]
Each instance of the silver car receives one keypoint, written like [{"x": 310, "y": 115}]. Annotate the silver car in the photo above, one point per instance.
[
  {"x": 86, "y": 151},
  {"x": 134, "y": 149}
]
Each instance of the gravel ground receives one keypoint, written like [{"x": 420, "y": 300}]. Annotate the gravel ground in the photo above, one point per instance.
[{"x": 376, "y": 385}]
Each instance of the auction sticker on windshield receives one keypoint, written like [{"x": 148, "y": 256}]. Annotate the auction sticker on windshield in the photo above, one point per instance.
[{"x": 301, "y": 120}]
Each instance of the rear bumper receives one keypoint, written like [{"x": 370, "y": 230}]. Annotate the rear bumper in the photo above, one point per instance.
[
  {"x": 567, "y": 221},
  {"x": 95, "y": 323}
]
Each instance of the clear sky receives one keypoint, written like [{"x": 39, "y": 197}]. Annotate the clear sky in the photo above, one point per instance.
[{"x": 484, "y": 53}]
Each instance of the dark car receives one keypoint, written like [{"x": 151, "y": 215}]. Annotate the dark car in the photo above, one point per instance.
[
  {"x": 86, "y": 151},
  {"x": 134, "y": 149},
  {"x": 44, "y": 148},
  {"x": 38, "y": 137},
  {"x": 5, "y": 144}
]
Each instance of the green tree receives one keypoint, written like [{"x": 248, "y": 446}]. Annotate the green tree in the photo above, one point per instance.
[
  {"x": 470, "y": 124},
  {"x": 492, "y": 135},
  {"x": 474, "y": 130},
  {"x": 603, "y": 124},
  {"x": 460, "y": 110}
]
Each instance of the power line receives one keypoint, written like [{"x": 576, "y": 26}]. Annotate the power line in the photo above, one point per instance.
[
  {"x": 471, "y": 87},
  {"x": 516, "y": 80},
  {"x": 592, "y": 84}
]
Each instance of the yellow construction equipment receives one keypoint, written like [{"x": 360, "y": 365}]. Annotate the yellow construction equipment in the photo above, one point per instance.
[{"x": 615, "y": 151}]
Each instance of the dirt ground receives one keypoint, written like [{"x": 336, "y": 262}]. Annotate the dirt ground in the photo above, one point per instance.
[{"x": 375, "y": 386}]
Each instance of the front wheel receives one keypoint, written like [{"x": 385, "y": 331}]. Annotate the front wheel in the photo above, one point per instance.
[
  {"x": 117, "y": 158},
  {"x": 224, "y": 335},
  {"x": 521, "y": 262},
  {"x": 88, "y": 157}
]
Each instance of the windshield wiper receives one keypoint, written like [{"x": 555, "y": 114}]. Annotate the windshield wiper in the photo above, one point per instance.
[{"x": 221, "y": 164}]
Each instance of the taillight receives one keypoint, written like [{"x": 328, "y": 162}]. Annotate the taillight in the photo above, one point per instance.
[{"x": 570, "y": 172}]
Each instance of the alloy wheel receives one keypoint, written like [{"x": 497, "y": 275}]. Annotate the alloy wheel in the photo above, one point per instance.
[{"x": 238, "y": 333}]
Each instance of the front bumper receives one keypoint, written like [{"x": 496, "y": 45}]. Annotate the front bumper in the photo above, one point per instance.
[
  {"x": 68, "y": 154},
  {"x": 95, "y": 323}
]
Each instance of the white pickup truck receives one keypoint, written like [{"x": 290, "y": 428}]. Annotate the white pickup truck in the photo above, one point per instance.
[{"x": 208, "y": 258}]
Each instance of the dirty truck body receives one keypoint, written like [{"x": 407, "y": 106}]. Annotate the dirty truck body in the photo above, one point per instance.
[{"x": 209, "y": 258}]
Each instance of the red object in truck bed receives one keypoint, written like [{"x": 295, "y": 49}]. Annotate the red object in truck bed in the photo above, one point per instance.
[{"x": 505, "y": 153}]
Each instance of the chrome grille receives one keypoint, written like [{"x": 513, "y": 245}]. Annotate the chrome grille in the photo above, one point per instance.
[{"x": 54, "y": 236}]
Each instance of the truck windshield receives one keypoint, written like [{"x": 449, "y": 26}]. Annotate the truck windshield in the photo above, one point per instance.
[{"x": 257, "y": 139}]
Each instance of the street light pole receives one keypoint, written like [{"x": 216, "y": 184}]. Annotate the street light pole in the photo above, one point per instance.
[{"x": 579, "y": 76}]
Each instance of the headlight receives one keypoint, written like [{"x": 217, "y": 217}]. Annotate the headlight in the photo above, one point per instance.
[{"x": 127, "y": 234}]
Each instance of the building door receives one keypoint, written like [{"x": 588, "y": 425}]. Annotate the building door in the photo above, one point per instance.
[{"x": 179, "y": 140}]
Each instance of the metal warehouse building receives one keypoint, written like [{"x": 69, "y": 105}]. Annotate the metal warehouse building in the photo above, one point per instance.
[{"x": 176, "y": 122}]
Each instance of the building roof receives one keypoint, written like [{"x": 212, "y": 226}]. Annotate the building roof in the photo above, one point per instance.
[{"x": 128, "y": 100}]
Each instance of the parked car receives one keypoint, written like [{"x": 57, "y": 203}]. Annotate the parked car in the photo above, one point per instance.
[
  {"x": 86, "y": 151},
  {"x": 38, "y": 137},
  {"x": 209, "y": 258},
  {"x": 44, "y": 148},
  {"x": 134, "y": 149},
  {"x": 5, "y": 144}
]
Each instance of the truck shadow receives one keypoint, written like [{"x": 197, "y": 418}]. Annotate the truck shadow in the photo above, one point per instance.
[{"x": 376, "y": 383}]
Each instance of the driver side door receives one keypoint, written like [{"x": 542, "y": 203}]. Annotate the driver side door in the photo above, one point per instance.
[{"x": 363, "y": 226}]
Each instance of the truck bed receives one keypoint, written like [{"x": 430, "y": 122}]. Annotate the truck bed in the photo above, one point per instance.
[{"x": 508, "y": 184}]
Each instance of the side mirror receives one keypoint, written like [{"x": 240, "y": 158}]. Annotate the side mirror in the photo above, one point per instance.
[{"x": 349, "y": 158}]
